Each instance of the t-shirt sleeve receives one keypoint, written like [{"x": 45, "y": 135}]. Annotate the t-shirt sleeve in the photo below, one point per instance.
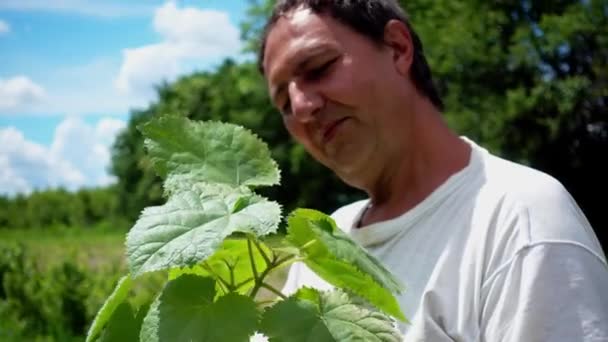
[
  {"x": 300, "y": 275},
  {"x": 547, "y": 292},
  {"x": 291, "y": 284}
]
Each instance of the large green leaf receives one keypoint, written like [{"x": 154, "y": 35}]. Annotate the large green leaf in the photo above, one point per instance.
[
  {"x": 185, "y": 312},
  {"x": 325, "y": 317},
  {"x": 192, "y": 225},
  {"x": 234, "y": 254},
  {"x": 211, "y": 152},
  {"x": 348, "y": 277},
  {"x": 124, "y": 325},
  {"x": 340, "y": 261},
  {"x": 232, "y": 264},
  {"x": 104, "y": 314},
  {"x": 294, "y": 320}
]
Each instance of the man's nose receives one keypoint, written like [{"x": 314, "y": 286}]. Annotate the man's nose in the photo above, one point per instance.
[{"x": 305, "y": 101}]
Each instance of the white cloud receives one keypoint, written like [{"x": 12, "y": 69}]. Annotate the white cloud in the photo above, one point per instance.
[
  {"x": 146, "y": 66},
  {"x": 107, "y": 129},
  {"x": 4, "y": 27},
  {"x": 189, "y": 39},
  {"x": 27, "y": 166},
  {"x": 80, "y": 90},
  {"x": 188, "y": 35},
  {"x": 79, "y": 156},
  {"x": 19, "y": 91},
  {"x": 104, "y": 8}
]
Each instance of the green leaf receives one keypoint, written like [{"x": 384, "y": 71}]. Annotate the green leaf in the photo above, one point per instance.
[
  {"x": 192, "y": 225},
  {"x": 346, "y": 276},
  {"x": 294, "y": 320},
  {"x": 105, "y": 313},
  {"x": 340, "y": 261},
  {"x": 185, "y": 311},
  {"x": 351, "y": 322},
  {"x": 177, "y": 272},
  {"x": 278, "y": 242},
  {"x": 231, "y": 264},
  {"x": 211, "y": 152},
  {"x": 234, "y": 254},
  {"x": 124, "y": 326},
  {"x": 325, "y": 317}
]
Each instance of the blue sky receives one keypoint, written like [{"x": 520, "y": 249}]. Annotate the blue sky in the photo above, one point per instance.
[{"x": 70, "y": 70}]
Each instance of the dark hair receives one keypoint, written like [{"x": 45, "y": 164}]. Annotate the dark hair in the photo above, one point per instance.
[{"x": 367, "y": 17}]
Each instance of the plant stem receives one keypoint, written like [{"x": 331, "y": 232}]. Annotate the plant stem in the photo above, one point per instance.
[
  {"x": 253, "y": 268},
  {"x": 259, "y": 281},
  {"x": 221, "y": 280},
  {"x": 231, "y": 271},
  {"x": 273, "y": 290},
  {"x": 241, "y": 284},
  {"x": 308, "y": 244},
  {"x": 266, "y": 258},
  {"x": 288, "y": 258}
]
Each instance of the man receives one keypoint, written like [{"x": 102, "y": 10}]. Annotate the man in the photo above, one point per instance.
[{"x": 488, "y": 250}]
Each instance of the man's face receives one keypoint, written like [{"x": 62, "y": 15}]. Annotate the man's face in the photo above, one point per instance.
[{"x": 341, "y": 95}]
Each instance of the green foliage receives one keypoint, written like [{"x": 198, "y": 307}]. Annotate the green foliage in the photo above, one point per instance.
[
  {"x": 253, "y": 25},
  {"x": 192, "y": 226},
  {"x": 107, "y": 310},
  {"x": 232, "y": 266},
  {"x": 308, "y": 327},
  {"x": 325, "y": 316},
  {"x": 49, "y": 303},
  {"x": 138, "y": 186},
  {"x": 528, "y": 79},
  {"x": 55, "y": 208},
  {"x": 208, "y": 167},
  {"x": 123, "y": 325},
  {"x": 186, "y": 311},
  {"x": 336, "y": 258},
  {"x": 212, "y": 152},
  {"x": 218, "y": 241}
]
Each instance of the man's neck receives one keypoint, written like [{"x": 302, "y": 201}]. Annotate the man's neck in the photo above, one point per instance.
[{"x": 433, "y": 155}]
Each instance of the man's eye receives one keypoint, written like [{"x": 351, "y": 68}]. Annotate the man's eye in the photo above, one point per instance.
[
  {"x": 320, "y": 71},
  {"x": 286, "y": 109}
]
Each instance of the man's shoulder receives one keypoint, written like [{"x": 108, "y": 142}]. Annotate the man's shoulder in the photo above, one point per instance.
[
  {"x": 535, "y": 204},
  {"x": 522, "y": 182}
]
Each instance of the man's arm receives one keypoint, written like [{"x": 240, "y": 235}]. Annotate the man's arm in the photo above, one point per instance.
[{"x": 550, "y": 291}]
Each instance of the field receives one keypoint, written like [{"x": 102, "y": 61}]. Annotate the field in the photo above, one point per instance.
[
  {"x": 96, "y": 248},
  {"x": 53, "y": 281}
]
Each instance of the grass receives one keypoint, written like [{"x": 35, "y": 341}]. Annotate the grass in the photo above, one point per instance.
[
  {"x": 99, "y": 253},
  {"x": 95, "y": 247}
]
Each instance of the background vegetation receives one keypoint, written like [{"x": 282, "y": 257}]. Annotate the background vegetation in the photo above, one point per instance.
[{"x": 527, "y": 79}]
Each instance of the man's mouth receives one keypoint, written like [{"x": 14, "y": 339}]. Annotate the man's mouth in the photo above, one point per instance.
[{"x": 330, "y": 130}]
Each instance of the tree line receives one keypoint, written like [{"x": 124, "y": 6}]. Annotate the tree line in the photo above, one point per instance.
[
  {"x": 526, "y": 79},
  {"x": 60, "y": 208}
]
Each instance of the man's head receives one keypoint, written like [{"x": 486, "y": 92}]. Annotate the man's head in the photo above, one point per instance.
[
  {"x": 346, "y": 76},
  {"x": 369, "y": 18}
]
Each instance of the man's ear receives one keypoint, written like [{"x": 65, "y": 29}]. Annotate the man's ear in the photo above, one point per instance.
[{"x": 398, "y": 38}]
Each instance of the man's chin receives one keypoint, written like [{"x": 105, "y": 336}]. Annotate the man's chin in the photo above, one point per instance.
[{"x": 352, "y": 173}]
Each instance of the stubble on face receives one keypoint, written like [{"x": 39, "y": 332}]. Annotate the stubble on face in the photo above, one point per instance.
[{"x": 344, "y": 132}]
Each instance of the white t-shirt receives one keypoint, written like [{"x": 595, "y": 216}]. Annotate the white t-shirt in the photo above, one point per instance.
[{"x": 499, "y": 252}]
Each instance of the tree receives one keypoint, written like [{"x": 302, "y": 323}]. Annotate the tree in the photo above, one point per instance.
[
  {"x": 59, "y": 207},
  {"x": 527, "y": 79}
]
